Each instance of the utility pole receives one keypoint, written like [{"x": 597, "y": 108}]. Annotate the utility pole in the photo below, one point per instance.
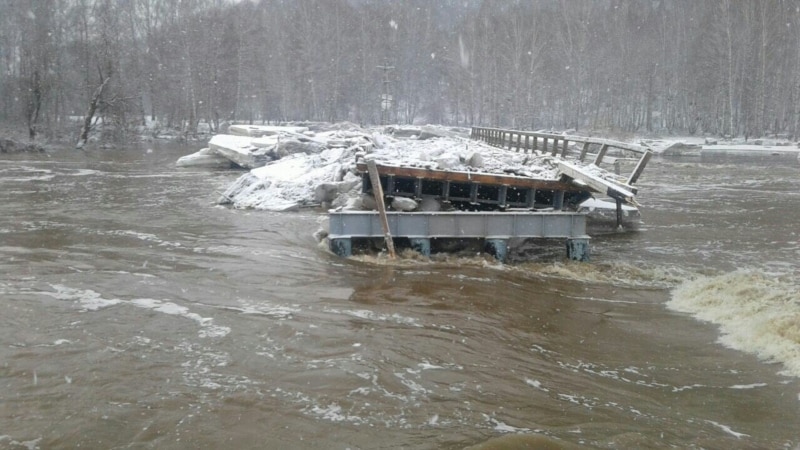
[{"x": 386, "y": 98}]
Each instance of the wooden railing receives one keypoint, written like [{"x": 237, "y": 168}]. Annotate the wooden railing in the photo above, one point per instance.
[{"x": 558, "y": 145}]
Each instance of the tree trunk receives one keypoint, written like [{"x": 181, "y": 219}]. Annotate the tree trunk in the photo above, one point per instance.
[
  {"x": 35, "y": 105},
  {"x": 87, "y": 121}
]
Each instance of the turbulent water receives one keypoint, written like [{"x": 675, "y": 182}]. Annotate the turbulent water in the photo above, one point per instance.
[{"x": 137, "y": 314}]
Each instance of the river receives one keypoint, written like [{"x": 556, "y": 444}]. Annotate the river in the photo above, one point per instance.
[{"x": 136, "y": 313}]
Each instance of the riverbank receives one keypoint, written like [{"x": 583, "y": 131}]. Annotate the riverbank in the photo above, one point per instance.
[{"x": 10, "y": 143}]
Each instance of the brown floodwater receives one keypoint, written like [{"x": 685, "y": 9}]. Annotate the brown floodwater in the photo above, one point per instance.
[{"x": 136, "y": 313}]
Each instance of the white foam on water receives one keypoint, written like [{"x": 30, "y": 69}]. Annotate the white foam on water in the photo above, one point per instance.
[
  {"x": 413, "y": 386},
  {"x": 89, "y": 300},
  {"x": 728, "y": 429},
  {"x": 624, "y": 375},
  {"x": 756, "y": 313},
  {"x": 602, "y": 300},
  {"x": 373, "y": 316},
  {"x": 334, "y": 413},
  {"x": 280, "y": 312},
  {"x": 687, "y": 387},
  {"x": 617, "y": 273},
  {"x": 30, "y": 445},
  {"x": 469, "y": 278},
  {"x": 135, "y": 274},
  {"x": 748, "y": 386},
  {"x": 28, "y": 173},
  {"x": 536, "y": 384},
  {"x": 164, "y": 307},
  {"x": 579, "y": 400},
  {"x": 214, "y": 331},
  {"x": 83, "y": 172},
  {"x": 503, "y": 427},
  {"x": 539, "y": 349},
  {"x": 426, "y": 365},
  {"x": 205, "y": 368},
  {"x": 148, "y": 237}
]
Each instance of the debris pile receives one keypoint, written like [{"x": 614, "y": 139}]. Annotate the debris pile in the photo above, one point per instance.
[{"x": 293, "y": 167}]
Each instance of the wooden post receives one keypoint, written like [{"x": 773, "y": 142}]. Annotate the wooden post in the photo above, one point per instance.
[
  {"x": 535, "y": 143},
  {"x": 377, "y": 191},
  {"x": 600, "y": 155},
  {"x": 640, "y": 167},
  {"x": 526, "y": 143},
  {"x": 584, "y": 151},
  {"x": 544, "y": 145},
  {"x": 554, "y": 152},
  {"x": 564, "y": 149}
]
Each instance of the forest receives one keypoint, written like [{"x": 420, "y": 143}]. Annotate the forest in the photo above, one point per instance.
[{"x": 714, "y": 67}]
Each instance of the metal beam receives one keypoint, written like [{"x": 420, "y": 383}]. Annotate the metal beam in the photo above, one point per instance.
[{"x": 348, "y": 224}]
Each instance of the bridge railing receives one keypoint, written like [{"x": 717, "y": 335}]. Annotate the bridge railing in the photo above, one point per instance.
[{"x": 558, "y": 145}]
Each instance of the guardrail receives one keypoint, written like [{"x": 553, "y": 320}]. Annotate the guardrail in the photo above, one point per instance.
[{"x": 529, "y": 141}]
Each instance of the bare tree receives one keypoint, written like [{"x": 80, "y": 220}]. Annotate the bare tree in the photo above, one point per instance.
[{"x": 718, "y": 66}]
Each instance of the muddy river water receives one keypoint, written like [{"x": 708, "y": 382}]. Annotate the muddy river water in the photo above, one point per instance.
[{"x": 135, "y": 313}]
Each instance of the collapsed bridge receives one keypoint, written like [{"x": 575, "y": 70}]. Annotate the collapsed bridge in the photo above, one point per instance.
[{"x": 494, "y": 207}]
